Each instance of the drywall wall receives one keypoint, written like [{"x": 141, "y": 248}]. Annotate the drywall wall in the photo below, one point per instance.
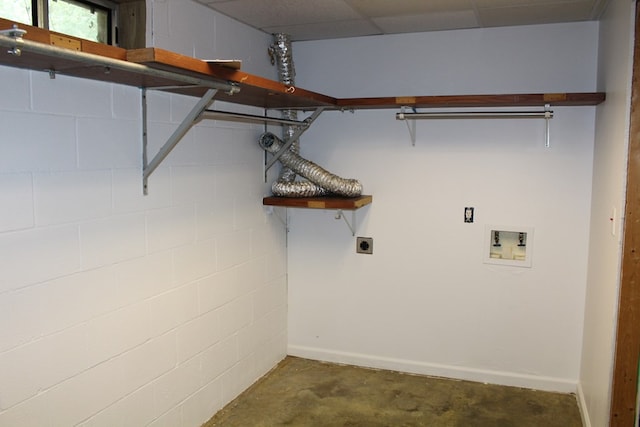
[
  {"x": 119, "y": 309},
  {"x": 605, "y": 244},
  {"x": 425, "y": 301}
]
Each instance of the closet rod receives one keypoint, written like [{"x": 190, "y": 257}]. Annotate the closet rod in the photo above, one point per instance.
[
  {"x": 476, "y": 115},
  {"x": 241, "y": 117},
  {"x": 18, "y": 45}
]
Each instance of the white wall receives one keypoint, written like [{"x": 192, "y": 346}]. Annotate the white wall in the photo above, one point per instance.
[
  {"x": 610, "y": 164},
  {"x": 119, "y": 309},
  {"x": 424, "y": 301}
]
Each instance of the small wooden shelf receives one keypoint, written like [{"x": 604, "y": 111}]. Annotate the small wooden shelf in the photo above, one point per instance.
[{"x": 339, "y": 203}]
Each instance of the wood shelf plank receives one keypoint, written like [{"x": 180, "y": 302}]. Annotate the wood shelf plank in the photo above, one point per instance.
[
  {"x": 460, "y": 101},
  {"x": 343, "y": 203},
  {"x": 254, "y": 90},
  {"x": 74, "y": 67}
]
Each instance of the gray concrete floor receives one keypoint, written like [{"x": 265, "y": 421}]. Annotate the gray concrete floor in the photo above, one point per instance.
[{"x": 301, "y": 392}]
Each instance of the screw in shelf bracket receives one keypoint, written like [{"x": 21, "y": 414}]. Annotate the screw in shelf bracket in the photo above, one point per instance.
[
  {"x": 52, "y": 73},
  {"x": 235, "y": 88}
]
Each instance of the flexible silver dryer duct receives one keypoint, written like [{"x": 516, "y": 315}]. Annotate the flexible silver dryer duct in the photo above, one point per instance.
[
  {"x": 281, "y": 54},
  {"x": 286, "y": 185},
  {"x": 307, "y": 169}
]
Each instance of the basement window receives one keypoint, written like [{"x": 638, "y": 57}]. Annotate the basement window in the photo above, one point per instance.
[
  {"x": 93, "y": 20},
  {"x": 87, "y": 20}
]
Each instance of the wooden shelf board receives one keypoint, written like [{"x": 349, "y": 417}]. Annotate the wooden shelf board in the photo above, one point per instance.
[
  {"x": 449, "y": 101},
  {"x": 344, "y": 203},
  {"x": 73, "y": 67},
  {"x": 254, "y": 90}
]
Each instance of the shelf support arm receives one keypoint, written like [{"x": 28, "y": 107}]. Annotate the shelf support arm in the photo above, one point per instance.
[
  {"x": 352, "y": 224},
  {"x": 410, "y": 126},
  {"x": 181, "y": 130},
  {"x": 307, "y": 122},
  {"x": 548, "y": 114}
]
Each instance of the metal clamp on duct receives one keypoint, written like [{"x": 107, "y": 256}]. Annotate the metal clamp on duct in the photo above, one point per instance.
[{"x": 320, "y": 179}]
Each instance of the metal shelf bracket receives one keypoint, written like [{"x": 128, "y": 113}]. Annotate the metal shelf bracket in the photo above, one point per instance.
[
  {"x": 352, "y": 224},
  {"x": 199, "y": 112},
  {"x": 547, "y": 114},
  {"x": 411, "y": 124},
  {"x": 296, "y": 135},
  {"x": 270, "y": 210},
  {"x": 191, "y": 118}
]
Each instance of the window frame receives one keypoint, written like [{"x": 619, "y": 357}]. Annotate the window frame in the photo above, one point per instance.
[{"x": 40, "y": 15}]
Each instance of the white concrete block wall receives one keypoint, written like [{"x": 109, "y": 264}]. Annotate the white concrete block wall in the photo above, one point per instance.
[
  {"x": 123, "y": 309},
  {"x": 425, "y": 301}
]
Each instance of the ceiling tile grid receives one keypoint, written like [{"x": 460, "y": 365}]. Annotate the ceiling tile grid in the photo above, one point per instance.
[{"x": 328, "y": 19}]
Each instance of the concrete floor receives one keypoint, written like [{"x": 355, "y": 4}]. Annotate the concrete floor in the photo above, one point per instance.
[{"x": 300, "y": 392}]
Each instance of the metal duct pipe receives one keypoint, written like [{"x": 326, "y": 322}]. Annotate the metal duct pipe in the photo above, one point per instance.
[
  {"x": 321, "y": 182},
  {"x": 282, "y": 55},
  {"x": 311, "y": 171}
]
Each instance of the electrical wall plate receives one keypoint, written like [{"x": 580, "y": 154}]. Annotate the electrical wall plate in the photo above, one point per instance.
[
  {"x": 468, "y": 214},
  {"x": 364, "y": 245}
]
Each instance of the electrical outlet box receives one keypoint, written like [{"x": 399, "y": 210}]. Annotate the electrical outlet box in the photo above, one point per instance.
[
  {"x": 364, "y": 245},
  {"x": 468, "y": 214}
]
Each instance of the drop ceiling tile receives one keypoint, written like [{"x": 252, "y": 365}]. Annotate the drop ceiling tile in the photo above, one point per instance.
[
  {"x": 427, "y": 22},
  {"x": 506, "y": 3},
  {"x": 386, "y": 8},
  {"x": 327, "y": 30},
  {"x": 399, "y": 16},
  {"x": 535, "y": 14},
  {"x": 211, "y": 1},
  {"x": 267, "y": 13}
]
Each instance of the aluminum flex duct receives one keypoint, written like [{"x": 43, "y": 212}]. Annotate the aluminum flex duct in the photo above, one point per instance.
[
  {"x": 317, "y": 175},
  {"x": 286, "y": 185},
  {"x": 282, "y": 55}
]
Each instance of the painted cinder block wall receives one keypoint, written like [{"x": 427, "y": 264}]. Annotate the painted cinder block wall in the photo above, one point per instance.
[
  {"x": 118, "y": 309},
  {"x": 424, "y": 301}
]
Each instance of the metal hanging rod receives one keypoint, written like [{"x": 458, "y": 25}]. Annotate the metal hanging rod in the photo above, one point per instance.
[
  {"x": 547, "y": 114},
  {"x": 241, "y": 117},
  {"x": 17, "y": 45},
  {"x": 476, "y": 115}
]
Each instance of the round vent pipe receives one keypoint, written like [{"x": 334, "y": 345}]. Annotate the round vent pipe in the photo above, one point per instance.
[{"x": 320, "y": 182}]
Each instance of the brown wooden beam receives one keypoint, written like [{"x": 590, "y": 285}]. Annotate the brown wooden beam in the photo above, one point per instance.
[{"x": 627, "y": 352}]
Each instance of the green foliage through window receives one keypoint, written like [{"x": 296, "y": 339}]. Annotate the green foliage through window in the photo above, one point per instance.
[
  {"x": 79, "y": 19},
  {"x": 17, "y": 10},
  {"x": 87, "y": 19}
]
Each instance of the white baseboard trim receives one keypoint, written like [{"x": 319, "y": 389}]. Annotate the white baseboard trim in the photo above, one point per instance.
[
  {"x": 582, "y": 405},
  {"x": 560, "y": 385}
]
